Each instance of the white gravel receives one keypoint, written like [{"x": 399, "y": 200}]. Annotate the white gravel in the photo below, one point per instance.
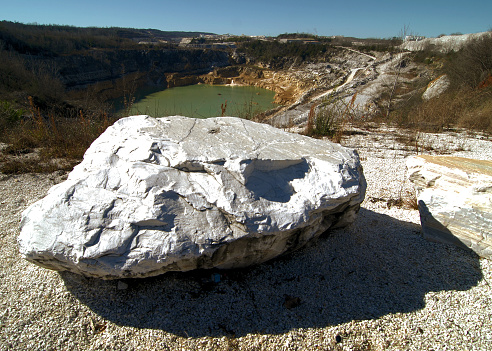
[{"x": 376, "y": 285}]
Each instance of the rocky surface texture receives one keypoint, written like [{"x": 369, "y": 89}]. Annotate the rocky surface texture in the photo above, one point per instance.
[
  {"x": 358, "y": 84},
  {"x": 374, "y": 285},
  {"x": 109, "y": 73},
  {"x": 436, "y": 87},
  {"x": 177, "y": 194},
  {"x": 455, "y": 200},
  {"x": 99, "y": 66},
  {"x": 348, "y": 77}
]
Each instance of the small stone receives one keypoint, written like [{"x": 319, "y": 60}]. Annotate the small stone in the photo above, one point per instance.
[{"x": 122, "y": 285}]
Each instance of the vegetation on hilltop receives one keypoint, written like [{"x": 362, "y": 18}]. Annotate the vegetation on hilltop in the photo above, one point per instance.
[
  {"x": 472, "y": 64},
  {"x": 304, "y": 47},
  {"x": 54, "y": 40},
  {"x": 297, "y": 36},
  {"x": 276, "y": 54},
  {"x": 50, "y": 40}
]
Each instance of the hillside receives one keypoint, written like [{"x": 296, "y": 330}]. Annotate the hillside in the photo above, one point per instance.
[
  {"x": 58, "y": 78},
  {"x": 375, "y": 285}
]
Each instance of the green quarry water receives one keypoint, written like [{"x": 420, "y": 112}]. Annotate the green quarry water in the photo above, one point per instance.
[{"x": 203, "y": 101}]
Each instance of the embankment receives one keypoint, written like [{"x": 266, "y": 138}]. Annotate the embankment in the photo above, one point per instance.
[{"x": 109, "y": 72}]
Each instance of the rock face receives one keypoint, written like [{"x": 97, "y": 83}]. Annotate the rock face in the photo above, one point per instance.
[
  {"x": 455, "y": 200},
  {"x": 436, "y": 87},
  {"x": 98, "y": 66},
  {"x": 176, "y": 194},
  {"x": 445, "y": 44}
]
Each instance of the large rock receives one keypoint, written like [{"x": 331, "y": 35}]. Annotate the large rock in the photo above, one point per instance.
[
  {"x": 455, "y": 200},
  {"x": 437, "y": 87},
  {"x": 176, "y": 194}
]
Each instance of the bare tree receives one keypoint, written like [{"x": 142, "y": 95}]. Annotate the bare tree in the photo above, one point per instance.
[{"x": 403, "y": 34}]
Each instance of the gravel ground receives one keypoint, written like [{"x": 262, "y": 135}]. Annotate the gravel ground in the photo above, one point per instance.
[{"x": 375, "y": 285}]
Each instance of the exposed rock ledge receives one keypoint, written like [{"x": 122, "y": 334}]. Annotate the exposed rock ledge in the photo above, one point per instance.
[
  {"x": 455, "y": 200},
  {"x": 176, "y": 194}
]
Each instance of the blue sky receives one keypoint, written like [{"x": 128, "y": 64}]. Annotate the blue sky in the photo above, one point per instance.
[{"x": 363, "y": 19}]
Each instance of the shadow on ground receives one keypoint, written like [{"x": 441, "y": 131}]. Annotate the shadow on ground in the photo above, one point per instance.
[{"x": 378, "y": 265}]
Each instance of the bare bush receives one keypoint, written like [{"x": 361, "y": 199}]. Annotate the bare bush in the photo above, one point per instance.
[
  {"x": 331, "y": 117},
  {"x": 472, "y": 64}
]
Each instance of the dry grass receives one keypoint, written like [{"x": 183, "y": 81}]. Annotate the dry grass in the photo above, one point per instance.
[
  {"x": 407, "y": 201},
  {"x": 331, "y": 118},
  {"x": 42, "y": 143},
  {"x": 466, "y": 104},
  {"x": 464, "y": 108}
]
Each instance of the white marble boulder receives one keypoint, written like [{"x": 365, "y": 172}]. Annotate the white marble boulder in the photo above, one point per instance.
[
  {"x": 455, "y": 200},
  {"x": 436, "y": 87},
  {"x": 177, "y": 194}
]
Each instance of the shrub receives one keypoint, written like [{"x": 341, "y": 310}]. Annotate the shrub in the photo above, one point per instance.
[
  {"x": 55, "y": 137},
  {"x": 468, "y": 101},
  {"x": 467, "y": 108},
  {"x": 9, "y": 115},
  {"x": 329, "y": 119},
  {"x": 323, "y": 122},
  {"x": 477, "y": 112}
]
